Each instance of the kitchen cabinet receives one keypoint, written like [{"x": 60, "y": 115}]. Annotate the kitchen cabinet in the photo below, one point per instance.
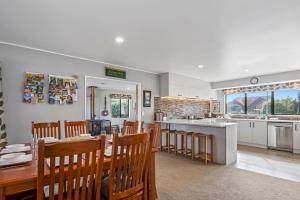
[
  {"x": 296, "y": 137},
  {"x": 177, "y": 85},
  {"x": 259, "y": 133},
  {"x": 245, "y": 131},
  {"x": 253, "y": 132}
]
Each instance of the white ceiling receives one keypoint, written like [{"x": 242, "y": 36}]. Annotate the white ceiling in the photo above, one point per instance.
[{"x": 227, "y": 36}]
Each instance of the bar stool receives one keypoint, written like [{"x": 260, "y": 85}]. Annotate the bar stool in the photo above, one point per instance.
[
  {"x": 184, "y": 149},
  {"x": 204, "y": 138},
  {"x": 188, "y": 151},
  {"x": 167, "y": 133},
  {"x": 180, "y": 150},
  {"x": 172, "y": 147}
]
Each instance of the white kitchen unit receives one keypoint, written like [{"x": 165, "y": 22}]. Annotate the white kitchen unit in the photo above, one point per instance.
[
  {"x": 253, "y": 133},
  {"x": 177, "y": 85},
  {"x": 296, "y": 137}
]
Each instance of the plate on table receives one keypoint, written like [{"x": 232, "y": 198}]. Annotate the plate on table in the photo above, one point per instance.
[
  {"x": 108, "y": 151},
  {"x": 49, "y": 140},
  {"x": 22, "y": 159},
  {"x": 12, "y": 155},
  {"x": 15, "y": 150},
  {"x": 85, "y": 136},
  {"x": 14, "y": 146}
]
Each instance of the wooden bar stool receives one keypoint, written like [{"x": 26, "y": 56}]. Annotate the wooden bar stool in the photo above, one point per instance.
[
  {"x": 172, "y": 147},
  {"x": 184, "y": 143},
  {"x": 182, "y": 139},
  {"x": 203, "y": 155},
  {"x": 163, "y": 132},
  {"x": 188, "y": 151}
]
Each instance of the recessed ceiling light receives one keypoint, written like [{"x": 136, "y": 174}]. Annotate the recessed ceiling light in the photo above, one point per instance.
[
  {"x": 128, "y": 88},
  {"x": 200, "y": 66},
  {"x": 119, "y": 40},
  {"x": 246, "y": 70}
]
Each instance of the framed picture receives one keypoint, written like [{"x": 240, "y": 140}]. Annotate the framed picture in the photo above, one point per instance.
[
  {"x": 147, "y": 98},
  {"x": 215, "y": 107}
]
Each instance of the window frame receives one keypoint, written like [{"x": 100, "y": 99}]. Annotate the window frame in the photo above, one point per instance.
[
  {"x": 272, "y": 111},
  {"x": 120, "y": 111}
]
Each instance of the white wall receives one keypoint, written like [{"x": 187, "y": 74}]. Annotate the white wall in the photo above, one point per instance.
[{"x": 15, "y": 61}]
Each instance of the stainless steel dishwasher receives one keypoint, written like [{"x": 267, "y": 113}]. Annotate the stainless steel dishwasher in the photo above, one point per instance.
[{"x": 280, "y": 136}]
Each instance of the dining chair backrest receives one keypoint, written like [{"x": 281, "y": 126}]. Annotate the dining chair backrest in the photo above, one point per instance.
[
  {"x": 153, "y": 130},
  {"x": 128, "y": 166},
  {"x": 74, "y": 168},
  {"x": 46, "y": 129},
  {"x": 130, "y": 127},
  {"x": 75, "y": 128}
]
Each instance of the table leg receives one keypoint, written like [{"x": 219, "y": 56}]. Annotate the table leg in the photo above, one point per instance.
[{"x": 2, "y": 193}]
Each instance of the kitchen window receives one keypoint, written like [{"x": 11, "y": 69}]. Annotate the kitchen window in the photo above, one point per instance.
[
  {"x": 120, "y": 107},
  {"x": 258, "y": 103},
  {"x": 278, "y": 102},
  {"x": 287, "y": 102},
  {"x": 236, "y": 103}
]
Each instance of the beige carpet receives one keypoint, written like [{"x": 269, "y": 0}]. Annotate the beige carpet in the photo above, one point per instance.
[{"x": 181, "y": 178}]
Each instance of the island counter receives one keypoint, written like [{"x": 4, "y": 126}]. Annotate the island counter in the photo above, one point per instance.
[{"x": 225, "y": 136}]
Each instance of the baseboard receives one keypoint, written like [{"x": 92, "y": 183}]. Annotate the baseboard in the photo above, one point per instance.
[
  {"x": 254, "y": 145},
  {"x": 297, "y": 151}
]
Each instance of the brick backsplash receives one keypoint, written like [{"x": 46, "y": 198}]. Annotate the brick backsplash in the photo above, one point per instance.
[{"x": 177, "y": 108}]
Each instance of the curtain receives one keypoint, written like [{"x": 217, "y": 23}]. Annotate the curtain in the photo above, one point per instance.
[
  {"x": 120, "y": 96},
  {"x": 3, "y": 140},
  {"x": 257, "y": 88}
]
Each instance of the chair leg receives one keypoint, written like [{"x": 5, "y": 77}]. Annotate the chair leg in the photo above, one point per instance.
[
  {"x": 175, "y": 143},
  {"x": 185, "y": 148},
  {"x": 168, "y": 141},
  {"x": 205, "y": 150},
  {"x": 211, "y": 149},
  {"x": 193, "y": 148}
]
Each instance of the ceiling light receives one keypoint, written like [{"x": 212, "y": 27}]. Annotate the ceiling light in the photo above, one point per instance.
[
  {"x": 200, "y": 66},
  {"x": 128, "y": 88},
  {"x": 119, "y": 40},
  {"x": 246, "y": 70}
]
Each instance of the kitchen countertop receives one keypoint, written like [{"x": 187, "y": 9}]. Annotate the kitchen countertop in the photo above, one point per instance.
[
  {"x": 261, "y": 120},
  {"x": 204, "y": 122}
]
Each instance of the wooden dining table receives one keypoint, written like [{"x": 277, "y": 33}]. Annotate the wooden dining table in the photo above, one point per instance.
[{"x": 21, "y": 178}]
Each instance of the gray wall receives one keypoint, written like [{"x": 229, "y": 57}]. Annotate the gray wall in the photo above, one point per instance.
[
  {"x": 271, "y": 78},
  {"x": 15, "y": 61}
]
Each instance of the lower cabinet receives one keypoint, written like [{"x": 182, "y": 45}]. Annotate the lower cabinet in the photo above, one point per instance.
[
  {"x": 245, "y": 131},
  {"x": 296, "y": 137},
  {"x": 260, "y": 133},
  {"x": 253, "y": 133}
]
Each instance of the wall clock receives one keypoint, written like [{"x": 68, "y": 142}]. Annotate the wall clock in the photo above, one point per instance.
[{"x": 254, "y": 80}]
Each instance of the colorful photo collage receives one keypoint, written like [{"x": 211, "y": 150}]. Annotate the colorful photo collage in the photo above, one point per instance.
[
  {"x": 34, "y": 88},
  {"x": 62, "y": 90}
]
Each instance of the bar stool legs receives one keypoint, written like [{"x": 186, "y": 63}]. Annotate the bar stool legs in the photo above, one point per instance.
[{"x": 205, "y": 139}]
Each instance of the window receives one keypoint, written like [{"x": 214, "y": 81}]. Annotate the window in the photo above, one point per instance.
[
  {"x": 120, "y": 107},
  {"x": 287, "y": 102},
  {"x": 258, "y": 103},
  {"x": 235, "y": 103}
]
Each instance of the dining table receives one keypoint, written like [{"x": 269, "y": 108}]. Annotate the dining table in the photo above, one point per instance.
[{"x": 22, "y": 178}]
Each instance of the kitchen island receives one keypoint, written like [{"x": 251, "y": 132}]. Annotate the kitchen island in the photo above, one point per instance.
[{"x": 224, "y": 136}]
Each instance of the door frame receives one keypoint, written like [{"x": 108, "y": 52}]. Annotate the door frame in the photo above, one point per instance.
[{"x": 138, "y": 93}]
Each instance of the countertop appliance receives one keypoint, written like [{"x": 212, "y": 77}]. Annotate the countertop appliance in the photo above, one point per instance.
[{"x": 280, "y": 136}]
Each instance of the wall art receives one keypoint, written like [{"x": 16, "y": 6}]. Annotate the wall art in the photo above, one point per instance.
[
  {"x": 62, "y": 90},
  {"x": 34, "y": 88}
]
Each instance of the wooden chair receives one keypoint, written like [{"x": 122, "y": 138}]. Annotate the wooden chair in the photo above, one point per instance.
[
  {"x": 77, "y": 179},
  {"x": 154, "y": 131},
  {"x": 128, "y": 170},
  {"x": 131, "y": 127},
  {"x": 75, "y": 128},
  {"x": 46, "y": 129}
]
